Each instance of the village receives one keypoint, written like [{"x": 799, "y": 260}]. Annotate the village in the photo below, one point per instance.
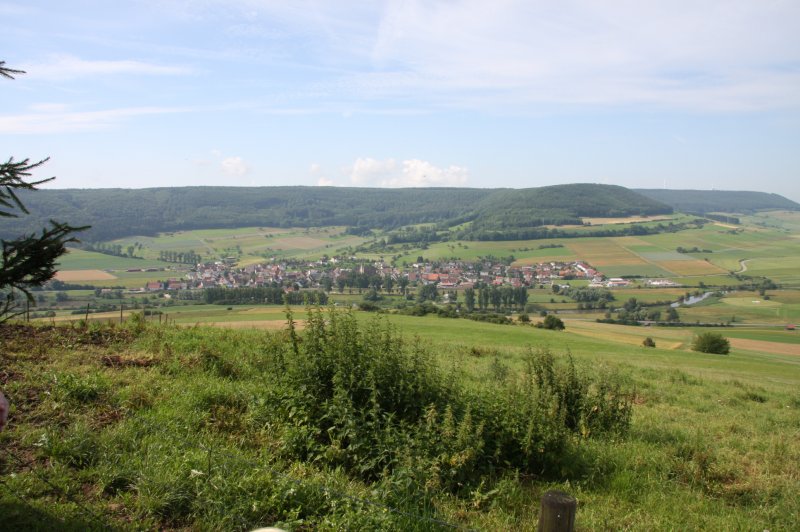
[{"x": 341, "y": 273}]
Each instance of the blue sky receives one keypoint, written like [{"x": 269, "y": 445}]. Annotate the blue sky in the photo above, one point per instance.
[{"x": 681, "y": 94}]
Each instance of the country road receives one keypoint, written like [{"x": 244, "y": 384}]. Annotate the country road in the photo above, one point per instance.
[{"x": 743, "y": 265}]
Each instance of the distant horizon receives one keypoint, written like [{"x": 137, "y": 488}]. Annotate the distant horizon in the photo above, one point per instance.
[
  {"x": 391, "y": 94},
  {"x": 50, "y": 186}
]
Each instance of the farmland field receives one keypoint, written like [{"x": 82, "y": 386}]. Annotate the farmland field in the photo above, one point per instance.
[
  {"x": 83, "y": 275},
  {"x": 767, "y": 249},
  {"x": 248, "y": 244},
  {"x": 78, "y": 259}
]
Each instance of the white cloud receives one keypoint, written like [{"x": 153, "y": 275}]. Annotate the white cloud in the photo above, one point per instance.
[
  {"x": 370, "y": 172},
  {"x": 711, "y": 55},
  {"x": 315, "y": 169},
  {"x": 62, "y": 67},
  {"x": 408, "y": 173},
  {"x": 47, "y": 121},
  {"x": 234, "y": 166}
]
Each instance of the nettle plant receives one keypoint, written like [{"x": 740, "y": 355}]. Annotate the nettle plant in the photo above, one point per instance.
[{"x": 367, "y": 401}]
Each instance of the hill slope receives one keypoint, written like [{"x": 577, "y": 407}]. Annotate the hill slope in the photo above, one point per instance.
[
  {"x": 562, "y": 204},
  {"x": 703, "y": 201},
  {"x": 115, "y": 213}
]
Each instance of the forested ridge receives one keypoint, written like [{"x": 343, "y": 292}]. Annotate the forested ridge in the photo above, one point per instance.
[
  {"x": 706, "y": 201},
  {"x": 115, "y": 213}
]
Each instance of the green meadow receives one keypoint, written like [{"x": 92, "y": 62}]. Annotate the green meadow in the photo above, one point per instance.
[
  {"x": 247, "y": 244},
  {"x": 78, "y": 259},
  {"x": 179, "y": 425}
]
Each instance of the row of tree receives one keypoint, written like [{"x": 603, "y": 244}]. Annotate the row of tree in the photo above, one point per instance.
[
  {"x": 259, "y": 295},
  {"x": 181, "y": 257},
  {"x": 505, "y": 297}
]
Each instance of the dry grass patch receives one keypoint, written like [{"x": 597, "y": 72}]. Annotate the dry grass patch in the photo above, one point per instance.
[
  {"x": 83, "y": 275},
  {"x": 690, "y": 267},
  {"x": 605, "y": 253},
  {"x": 527, "y": 261},
  {"x": 629, "y": 220},
  {"x": 298, "y": 242},
  {"x": 762, "y": 346},
  {"x": 666, "y": 338},
  {"x": 272, "y": 325}
]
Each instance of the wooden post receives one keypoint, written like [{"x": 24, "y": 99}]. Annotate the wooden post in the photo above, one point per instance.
[
  {"x": 121, "y": 306},
  {"x": 557, "y": 513},
  {"x": 86, "y": 319}
]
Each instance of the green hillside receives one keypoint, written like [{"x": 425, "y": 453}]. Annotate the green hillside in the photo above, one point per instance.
[
  {"x": 561, "y": 204},
  {"x": 115, "y": 213},
  {"x": 705, "y": 201},
  {"x": 493, "y": 213}
]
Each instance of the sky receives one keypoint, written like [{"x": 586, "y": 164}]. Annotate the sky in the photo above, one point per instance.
[{"x": 503, "y": 93}]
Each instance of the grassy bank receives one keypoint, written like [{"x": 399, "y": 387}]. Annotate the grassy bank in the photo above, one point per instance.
[{"x": 149, "y": 426}]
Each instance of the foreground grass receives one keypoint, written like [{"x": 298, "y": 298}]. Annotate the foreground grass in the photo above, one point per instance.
[{"x": 168, "y": 427}]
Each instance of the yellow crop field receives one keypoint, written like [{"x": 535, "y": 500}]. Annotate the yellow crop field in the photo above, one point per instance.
[
  {"x": 629, "y": 220},
  {"x": 690, "y": 267},
  {"x": 665, "y": 338},
  {"x": 298, "y": 242},
  {"x": 69, "y": 276},
  {"x": 761, "y": 346},
  {"x": 272, "y": 325},
  {"x": 604, "y": 252}
]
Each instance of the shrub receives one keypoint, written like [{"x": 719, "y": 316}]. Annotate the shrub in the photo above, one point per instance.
[
  {"x": 365, "y": 401},
  {"x": 711, "y": 342},
  {"x": 553, "y": 323},
  {"x": 648, "y": 342}
]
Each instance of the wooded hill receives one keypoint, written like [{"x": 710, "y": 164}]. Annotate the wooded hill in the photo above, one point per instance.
[
  {"x": 706, "y": 201},
  {"x": 115, "y": 213}
]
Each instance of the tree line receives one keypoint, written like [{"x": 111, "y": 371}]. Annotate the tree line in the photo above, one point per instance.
[{"x": 264, "y": 294}]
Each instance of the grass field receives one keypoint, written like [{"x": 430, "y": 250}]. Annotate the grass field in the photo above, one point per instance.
[
  {"x": 713, "y": 435},
  {"x": 748, "y": 307},
  {"x": 248, "y": 244},
  {"x": 78, "y": 259}
]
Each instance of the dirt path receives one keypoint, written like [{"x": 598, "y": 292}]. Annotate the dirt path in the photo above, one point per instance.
[{"x": 743, "y": 265}]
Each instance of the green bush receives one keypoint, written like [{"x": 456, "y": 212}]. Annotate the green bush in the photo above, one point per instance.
[
  {"x": 553, "y": 323},
  {"x": 365, "y": 401},
  {"x": 648, "y": 342},
  {"x": 711, "y": 342}
]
